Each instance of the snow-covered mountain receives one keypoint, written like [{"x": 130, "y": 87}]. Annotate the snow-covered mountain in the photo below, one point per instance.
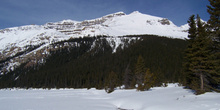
[
  {"x": 18, "y": 44},
  {"x": 116, "y": 24},
  {"x": 119, "y": 24}
]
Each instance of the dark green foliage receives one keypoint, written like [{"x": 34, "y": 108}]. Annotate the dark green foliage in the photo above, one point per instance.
[
  {"x": 214, "y": 33},
  {"x": 189, "y": 50},
  {"x": 199, "y": 65},
  {"x": 192, "y": 30},
  {"x": 111, "y": 82},
  {"x": 202, "y": 65},
  {"x": 140, "y": 69},
  {"x": 83, "y": 67},
  {"x": 214, "y": 21},
  {"x": 149, "y": 80},
  {"x": 128, "y": 78}
]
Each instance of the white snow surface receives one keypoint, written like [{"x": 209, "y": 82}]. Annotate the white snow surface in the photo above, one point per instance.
[
  {"x": 28, "y": 35},
  {"x": 172, "y": 97},
  {"x": 137, "y": 23}
]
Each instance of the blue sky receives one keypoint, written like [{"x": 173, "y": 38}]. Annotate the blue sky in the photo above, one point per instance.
[{"x": 25, "y": 12}]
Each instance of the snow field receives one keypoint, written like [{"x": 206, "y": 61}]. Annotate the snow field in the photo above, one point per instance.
[{"x": 172, "y": 97}]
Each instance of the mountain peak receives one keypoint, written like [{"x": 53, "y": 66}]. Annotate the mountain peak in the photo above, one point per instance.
[
  {"x": 136, "y": 12},
  {"x": 139, "y": 14}
]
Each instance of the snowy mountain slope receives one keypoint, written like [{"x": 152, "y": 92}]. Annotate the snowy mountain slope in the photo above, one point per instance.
[
  {"x": 172, "y": 97},
  {"x": 120, "y": 24},
  {"x": 138, "y": 23},
  {"x": 18, "y": 44},
  {"x": 28, "y": 35}
]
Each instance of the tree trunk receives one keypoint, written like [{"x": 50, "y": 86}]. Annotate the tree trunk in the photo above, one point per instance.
[{"x": 202, "y": 84}]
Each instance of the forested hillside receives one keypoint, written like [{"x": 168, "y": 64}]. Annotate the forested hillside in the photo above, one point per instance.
[{"x": 92, "y": 63}]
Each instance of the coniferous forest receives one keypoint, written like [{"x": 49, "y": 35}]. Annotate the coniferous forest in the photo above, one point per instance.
[{"x": 100, "y": 67}]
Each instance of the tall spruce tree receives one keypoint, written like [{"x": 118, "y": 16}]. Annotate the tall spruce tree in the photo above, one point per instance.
[
  {"x": 200, "y": 60},
  {"x": 199, "y": 65},
  {"x": 149, "y": 80},
  {"x": 214, "y": 33},
  {"x": 189, "y": 51}
]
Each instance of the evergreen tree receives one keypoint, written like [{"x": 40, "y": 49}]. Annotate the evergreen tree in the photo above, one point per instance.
[
  {"x": 149, "y": 80},
  {"x": 200, "y": 60},
  {"x": 199, "y": 65},
  {"x": 189, "y": 50},
  {"x": 128, "y": 77},
  {"x": 192, "y": 30},
  {"x": 214, "y": 21},
  {"x": 214, "y": 33},
  {"x": 140, "y": 70},
  {"x": 111, "y": 82}
]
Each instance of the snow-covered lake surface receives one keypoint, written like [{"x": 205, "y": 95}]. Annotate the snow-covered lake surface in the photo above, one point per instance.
[{"x": 172, "y": 97}]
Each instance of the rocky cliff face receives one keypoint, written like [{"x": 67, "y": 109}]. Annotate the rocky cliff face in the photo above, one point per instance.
[{"x": 76, "y": 29}]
